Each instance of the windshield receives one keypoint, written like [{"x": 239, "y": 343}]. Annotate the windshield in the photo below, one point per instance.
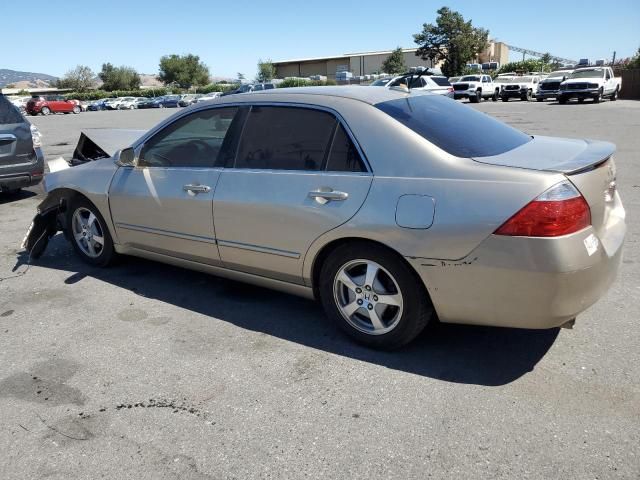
[
  {"x": 454, "y": 79},
  {"x": 438, "y": 119},
  {"x": 502, "y": 80},
  {"x": 9, "y": 113},
  {"x": 172, "y": 97},
  {"x": 470, "y": 78},
  {"x": 588, "y": 73},
  {"x": 381, "y": 82}
]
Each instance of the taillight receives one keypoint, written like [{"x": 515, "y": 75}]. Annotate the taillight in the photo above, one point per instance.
[{"x": 558, "y": 211}]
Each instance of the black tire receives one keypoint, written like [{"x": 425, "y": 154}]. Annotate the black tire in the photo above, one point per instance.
[
  {"x": 505, "y": 98},
  {"x": 562, "y": 100},
  {"x": 598, "y": 97},
  {"x": 45, "y": 110},
  {"x": 581, "y": 100},
  {"x": 76, "y": 109},
  {"x": 417, "y": 309},
  {"x": 107, "y": 252},
  {"x": 614, "y": 95},
  {"x": 539, "y": 99},
  {"x": 495, "y": 96}
]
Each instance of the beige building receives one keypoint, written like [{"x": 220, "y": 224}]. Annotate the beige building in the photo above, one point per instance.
[
  {"x": 367, "y": 63},
  {"x": 496, "y": 52},
  {"x": 364, "y": 63}
]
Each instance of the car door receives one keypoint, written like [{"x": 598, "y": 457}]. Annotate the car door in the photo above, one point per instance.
[
  {"x": 297, "y": 174},
  {"x": 164, "y": 203},
  {"x": 609, "y": 82}
]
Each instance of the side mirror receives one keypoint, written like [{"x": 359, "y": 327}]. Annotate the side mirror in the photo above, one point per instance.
[{"x": 127, "y": 157}]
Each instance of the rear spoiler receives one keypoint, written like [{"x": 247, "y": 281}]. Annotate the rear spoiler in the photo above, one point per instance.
[
  {"x": 551, "y": 154},
  {"x": 98, "y": 143}
]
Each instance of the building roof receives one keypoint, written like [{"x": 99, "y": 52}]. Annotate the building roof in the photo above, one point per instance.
[{"x": 344, "y": 56}]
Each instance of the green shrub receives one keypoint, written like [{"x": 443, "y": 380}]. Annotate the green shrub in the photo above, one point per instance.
[
  {"x": 304, "y": 82},
  {"x": 100, "y": 94}
]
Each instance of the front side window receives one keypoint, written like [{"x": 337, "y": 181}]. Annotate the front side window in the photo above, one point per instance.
[
  {"x": 285, "y": 138},
  {"x": 191, "y": 141}
]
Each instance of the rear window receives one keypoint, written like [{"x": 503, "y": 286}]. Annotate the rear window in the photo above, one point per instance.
[
  {"x": 441, "y": 81},
  {"x": 8, "y": 112},
  {"x": 457, "y": 129}
]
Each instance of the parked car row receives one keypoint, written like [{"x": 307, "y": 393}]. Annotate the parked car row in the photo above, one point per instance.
[
  {"x": 437, "y": 84},
  {"x": 594, "y": 83}
]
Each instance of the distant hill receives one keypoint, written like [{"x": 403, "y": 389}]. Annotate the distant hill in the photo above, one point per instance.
[{"x": 25, "y": 79}]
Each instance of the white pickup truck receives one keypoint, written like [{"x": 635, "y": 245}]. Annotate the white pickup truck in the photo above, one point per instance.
[
  {"x": 522, "y": 87},
  {"x": 475, "y": 88},
  {"x": 590, "y": 82}
]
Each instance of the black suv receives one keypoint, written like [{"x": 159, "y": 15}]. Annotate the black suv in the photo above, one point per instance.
[{"x": 21, "y": 158}]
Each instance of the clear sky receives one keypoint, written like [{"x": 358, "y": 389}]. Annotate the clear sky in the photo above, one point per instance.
[{"x": 56, "y": 35}]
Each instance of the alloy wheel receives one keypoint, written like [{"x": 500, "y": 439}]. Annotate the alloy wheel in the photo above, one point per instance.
[
  {"x": 368, "y": 297},
  {"x": 88, "y": 233}
]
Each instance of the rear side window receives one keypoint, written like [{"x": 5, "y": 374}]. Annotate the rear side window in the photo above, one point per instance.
[
  {"x": 441, "y": 81},
  {"x": 344, "y": 156},
  {"x": 457, "y": 129},
  {"x": 285, "y": 138},
  {"x": 8, "y": 112}
]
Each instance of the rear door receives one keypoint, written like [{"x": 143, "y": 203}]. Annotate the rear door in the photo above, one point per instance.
[
  {"x": 297, "y": 174},
  {"x": 164, "y": 204}
]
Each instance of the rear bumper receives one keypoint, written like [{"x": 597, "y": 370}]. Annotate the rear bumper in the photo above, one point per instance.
[
  {"x": 21, "y": 174},
  {"x": 523, "y": 282}
]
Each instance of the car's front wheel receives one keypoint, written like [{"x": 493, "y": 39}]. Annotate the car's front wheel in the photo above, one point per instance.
[
  {"x": 88, "y": 233},
  {"x": 495, "y": 96},
  {"x": 77, "y": 109},
  {"x": 373, "y": 295},
  {"x": 45, "y": 110},
  {"x": 598, "y": 97}
]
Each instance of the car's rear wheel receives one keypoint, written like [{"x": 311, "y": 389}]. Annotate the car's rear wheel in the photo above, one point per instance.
[
  {"x": 88, "y": 233},
  {"x": 495, "y": 96},
  {"x": 77, "y": 109},
  {"x": 373, "y": 295},
  {"x": 45, "y": 110},
  {"x": 614, "y": 95},
  {"x": 505, "y": 98},
  {"x": 539, "y": 99},
  {"x": 562, "y": 100}
]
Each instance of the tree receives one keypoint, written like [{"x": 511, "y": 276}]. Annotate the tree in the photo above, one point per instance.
[
  {"x": 183, "y": 70},
  {"x": 79, "y": 79},
  {"x": 394, "y": 63},
  {"x": 451, "y": 40},
  {"x": 119, "y": 78},
  {"x": 634, "y": 62},
  {"x": 266, "y": 71}
]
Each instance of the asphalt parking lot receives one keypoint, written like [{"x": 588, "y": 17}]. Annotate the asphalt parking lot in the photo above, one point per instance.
[{"x": 147, "y": 371}]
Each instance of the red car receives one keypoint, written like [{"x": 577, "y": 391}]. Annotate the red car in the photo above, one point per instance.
[{"x": 51, "y": 104}]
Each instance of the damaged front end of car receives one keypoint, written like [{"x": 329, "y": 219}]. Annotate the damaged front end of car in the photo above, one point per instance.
[{"x": 48, "y": 221}]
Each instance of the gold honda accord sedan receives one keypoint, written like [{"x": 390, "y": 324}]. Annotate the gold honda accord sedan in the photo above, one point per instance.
[{"x": 392, "y": 208}]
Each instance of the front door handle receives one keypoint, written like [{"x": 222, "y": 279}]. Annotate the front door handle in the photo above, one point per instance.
[
  {"x": 196, "y": 189},
  {"x": 323, "y": 195}
]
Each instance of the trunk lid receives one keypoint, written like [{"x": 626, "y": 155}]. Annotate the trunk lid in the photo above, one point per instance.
[{"x": 587, "y": 164}]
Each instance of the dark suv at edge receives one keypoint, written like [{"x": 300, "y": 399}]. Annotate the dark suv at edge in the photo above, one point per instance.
[{"x": 21, "y": 158}]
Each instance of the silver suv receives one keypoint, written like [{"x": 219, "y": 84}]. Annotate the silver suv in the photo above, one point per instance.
[{"x": 21, "y": 158}]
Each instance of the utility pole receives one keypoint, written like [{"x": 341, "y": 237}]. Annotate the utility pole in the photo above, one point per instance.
[{"x": 613, "y": 62}]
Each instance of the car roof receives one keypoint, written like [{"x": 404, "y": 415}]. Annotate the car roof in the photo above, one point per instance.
[{"x": 364, "y": 94}]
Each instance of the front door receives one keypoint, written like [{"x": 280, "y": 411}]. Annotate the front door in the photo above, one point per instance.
[
  {"x": 297, "y": 175},
  {"x": 165, "y": 203}
]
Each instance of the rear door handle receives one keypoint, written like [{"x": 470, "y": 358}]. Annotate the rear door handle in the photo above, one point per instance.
[
  {"x": 196, "y": 189},
  {"x": 326, "y": 195}
]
